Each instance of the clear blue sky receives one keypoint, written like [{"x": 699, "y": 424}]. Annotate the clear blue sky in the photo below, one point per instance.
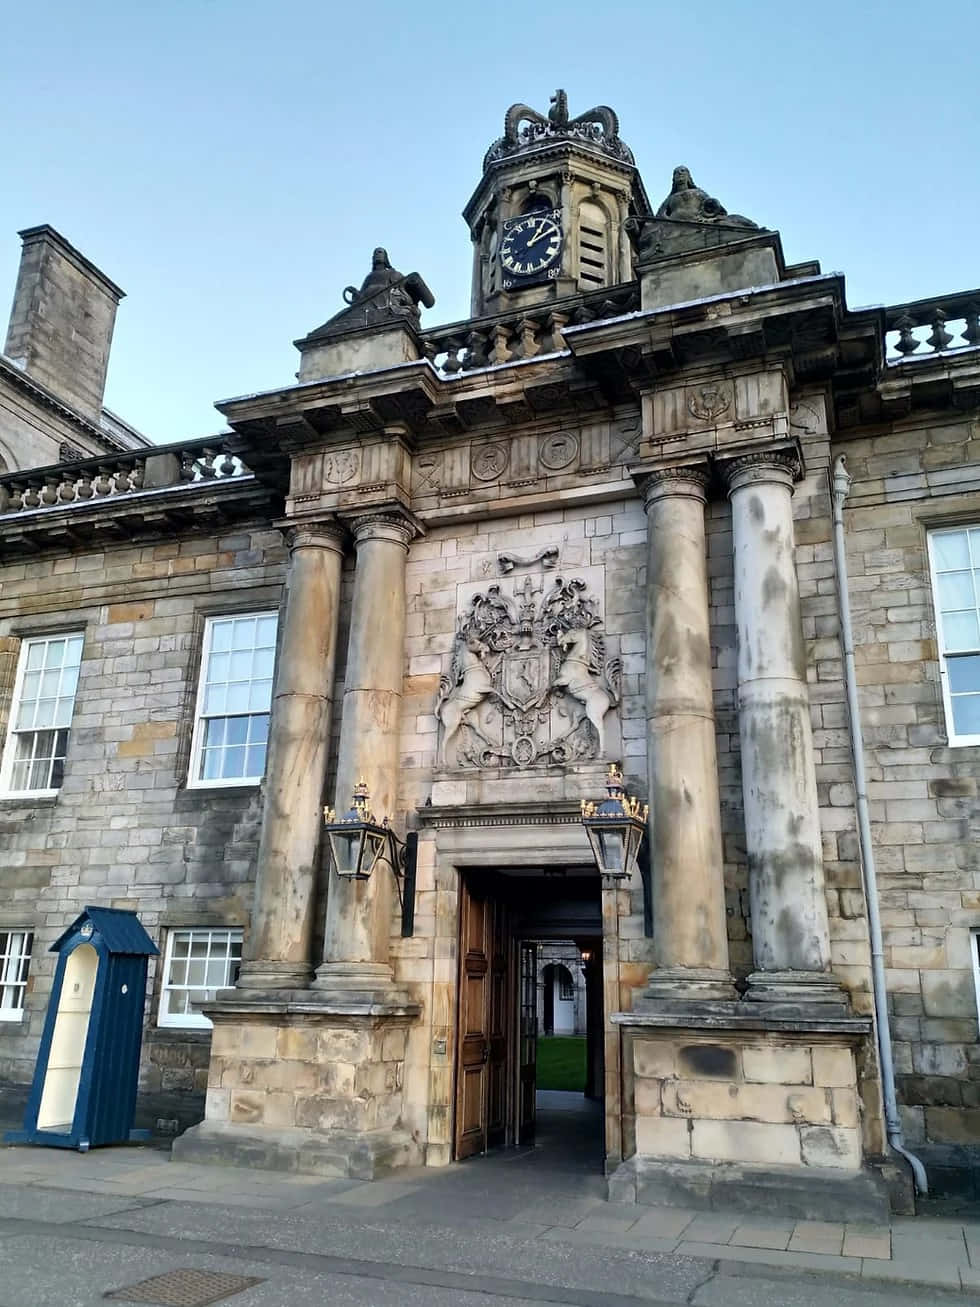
[{"x": 232, "y": 163}]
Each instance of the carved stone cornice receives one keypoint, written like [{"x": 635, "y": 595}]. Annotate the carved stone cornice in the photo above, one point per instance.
[
  {"x": 689, "y": 480},
  {"x": 782, "y": 466}
]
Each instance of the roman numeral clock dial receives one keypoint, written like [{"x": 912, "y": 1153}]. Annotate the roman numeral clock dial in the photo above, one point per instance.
[{"x": 530, "y": 248}]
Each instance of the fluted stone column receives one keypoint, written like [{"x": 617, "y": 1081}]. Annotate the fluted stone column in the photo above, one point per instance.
[
  {"x": 277, "y": 955},
  {"x": 359, "y": 913},
  {"x": 690, "y": 931},
  {"x": 790, "y": 934}
]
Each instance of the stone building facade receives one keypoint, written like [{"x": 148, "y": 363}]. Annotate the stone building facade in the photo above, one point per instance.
[{"x": 593, "y": 523}]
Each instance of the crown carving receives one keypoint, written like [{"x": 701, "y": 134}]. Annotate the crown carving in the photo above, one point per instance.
[{"x": 526, "y": 129}]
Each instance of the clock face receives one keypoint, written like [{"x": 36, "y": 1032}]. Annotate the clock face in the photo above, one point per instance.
[{"x": 530, "y": 245}]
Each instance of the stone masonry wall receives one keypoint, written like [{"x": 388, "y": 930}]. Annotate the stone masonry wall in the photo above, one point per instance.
[
  {"x": 925, "y": 810},
  {"x": 124, "y": 831}
]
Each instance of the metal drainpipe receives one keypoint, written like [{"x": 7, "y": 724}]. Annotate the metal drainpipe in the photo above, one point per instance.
[{"x": 840, "y": 485}]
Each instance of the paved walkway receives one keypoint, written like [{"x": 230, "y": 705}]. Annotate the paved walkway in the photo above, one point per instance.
[{"x": 528, "y": 1210}]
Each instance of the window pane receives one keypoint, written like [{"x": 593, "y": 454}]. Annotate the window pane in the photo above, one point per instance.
[
  {"x": 956, "y": 590},
  {"x": 966, "y": 714},
  {"x": 211, "y": 765},
  {"x": 964, "y": 674},
  {"x": 260, "y": 696},
  {"x": 259, "y": 730},
  {"x": 234, "y": 764},
  {"x": 960, "y": 631},
  {"x": 255, "y": 760},
  {"x": 949, "y": 550},
  {"x": 236, "y": 730},
  {"x": 35, "y": 655},
  {"x": 221, "y": 635},
  {"x": 265, "y": 633},
  {"x": 215, "y": 699},
  {"x": 262, "y": 663},
  {"x": 238, "y": 694},
  {"x": 55, "y": 654},
  {"x": 241, "y": 665},
  {"x": 218, "y": 667}
]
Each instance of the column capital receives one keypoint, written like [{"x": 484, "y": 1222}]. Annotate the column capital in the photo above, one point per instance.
[
  {"x": 783, "y": 466},
  {"x": 324, "y": 534},
  {"x": 396, "y": 525},
  {"x": 685, "y": 479}
]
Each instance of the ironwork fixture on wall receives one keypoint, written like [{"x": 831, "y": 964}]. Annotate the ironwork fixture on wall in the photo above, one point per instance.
[
  {"x": 358, "y": 842},
  {"x": 615, "y": 827}
]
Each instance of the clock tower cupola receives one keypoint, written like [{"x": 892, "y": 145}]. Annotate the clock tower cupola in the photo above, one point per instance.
[{"x": 549, "y": 217}]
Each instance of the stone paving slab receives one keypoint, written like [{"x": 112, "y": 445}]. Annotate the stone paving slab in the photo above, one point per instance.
[{"x": 515, "y": 1207}]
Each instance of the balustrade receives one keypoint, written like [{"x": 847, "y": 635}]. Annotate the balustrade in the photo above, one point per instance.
[
  {"x": 934, "y": 326},
  {"x": 85, "y": 480},
  {"x": 523, "y": 334}
]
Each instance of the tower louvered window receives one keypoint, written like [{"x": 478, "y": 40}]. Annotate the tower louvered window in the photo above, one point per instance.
[{"x": 593, "y": 247}]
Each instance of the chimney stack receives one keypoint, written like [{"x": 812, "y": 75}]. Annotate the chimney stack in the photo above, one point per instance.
[{"x": 61, "y": 323}]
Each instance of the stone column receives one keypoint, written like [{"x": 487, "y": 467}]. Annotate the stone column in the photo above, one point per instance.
[
  {"x": 690, "y": 929},
  {"x": 359, "y": 913},
  {"x": 790, "y": 934},
  {"x": 277, "y": 955}
]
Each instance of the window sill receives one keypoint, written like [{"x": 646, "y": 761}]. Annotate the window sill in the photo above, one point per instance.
[
  {"x": 198, "y": 786},
  {"x": 20, "y": 799},
  {"x": 202, "y": 1027},
  {"x": 14, "y": 1016}
]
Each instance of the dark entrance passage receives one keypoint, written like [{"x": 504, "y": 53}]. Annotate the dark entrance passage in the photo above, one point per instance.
[{"x": 506, "y": 919}]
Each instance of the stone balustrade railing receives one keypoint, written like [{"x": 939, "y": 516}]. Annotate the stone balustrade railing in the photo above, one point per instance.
[
  {"x": 90, "y": 479},
  {"x": 524, "y": 334},
  {"x": 934, "y": 326}
]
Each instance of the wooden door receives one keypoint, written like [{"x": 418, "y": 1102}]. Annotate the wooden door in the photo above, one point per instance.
[
  {"x": 528, "y": 1041},
  {"x": 482, "y": 1061}
]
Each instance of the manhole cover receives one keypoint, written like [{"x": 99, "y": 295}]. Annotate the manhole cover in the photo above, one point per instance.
[{"x": 185, "y": 1288}]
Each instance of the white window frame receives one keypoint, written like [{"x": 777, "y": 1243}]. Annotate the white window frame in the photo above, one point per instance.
[
  {"x": 191, "y": 1020},
  {"x": 10, "y": 741},
  {"x": 194, "y": 780},
  {"x": 10, "y": 965},
  {"x": 953, "y": 739}
]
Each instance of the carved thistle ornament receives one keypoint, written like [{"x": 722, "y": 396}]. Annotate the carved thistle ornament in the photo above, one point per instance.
[{"x": 529, "y": 683}]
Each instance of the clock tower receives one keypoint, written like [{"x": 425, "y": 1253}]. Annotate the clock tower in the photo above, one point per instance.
[{"x": 549, "y": 216}]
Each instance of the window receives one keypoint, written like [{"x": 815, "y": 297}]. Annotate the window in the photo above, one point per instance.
[
  {"x": 566, "y": 986},
  {"x": 955, "y": 559},
  {"x": 197, "y": 963},
  {"x": 40, "y": 715},
  {"x": 15, "y": 962},
  {"x": 234, "y": 697},
  {"x": 592, "y": 253}
]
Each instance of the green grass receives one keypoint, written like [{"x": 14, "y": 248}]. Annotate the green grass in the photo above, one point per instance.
[{"x": 561, "y": 1062}]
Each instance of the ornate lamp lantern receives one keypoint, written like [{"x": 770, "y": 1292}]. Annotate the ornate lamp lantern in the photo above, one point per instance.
[
  {"x": 358, "y": 842},
  {"x": 615, "y": 827}
]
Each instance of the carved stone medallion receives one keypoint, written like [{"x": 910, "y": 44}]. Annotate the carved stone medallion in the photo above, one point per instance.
[
  {"x": 558, "y": 451},
  {"x": 529, "y": 682},
  {"x": 341, "y": 467},
  {"x": 489, "y": 461},
  {"x": 709, "y": 402}
]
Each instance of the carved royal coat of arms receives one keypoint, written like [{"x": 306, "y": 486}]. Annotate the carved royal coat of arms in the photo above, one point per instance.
[{"x": 529, "y": 683}]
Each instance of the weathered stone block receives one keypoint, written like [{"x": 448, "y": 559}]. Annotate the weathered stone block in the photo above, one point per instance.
[
  {"x": 772, "y": 1064},
  {"x": 663, "y": 1137},
  {"x": 746, "y": 1141},
  {"x": 833, "y": 1067},
  {"x": 831, "y": 1146}
]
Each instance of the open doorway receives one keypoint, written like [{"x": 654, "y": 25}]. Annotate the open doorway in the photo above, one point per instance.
[{"x": 530, "y": 1042}]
